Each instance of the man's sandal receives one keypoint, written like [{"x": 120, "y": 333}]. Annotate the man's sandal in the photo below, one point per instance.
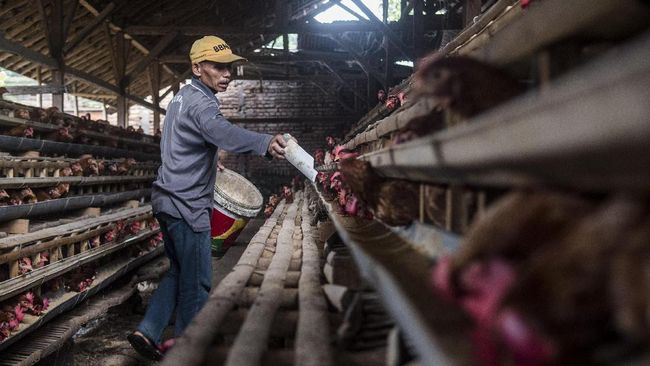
[{"x": 144, "y": 346}]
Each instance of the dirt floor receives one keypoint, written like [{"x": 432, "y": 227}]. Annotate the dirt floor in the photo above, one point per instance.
[{"x": 102, "y": 342}]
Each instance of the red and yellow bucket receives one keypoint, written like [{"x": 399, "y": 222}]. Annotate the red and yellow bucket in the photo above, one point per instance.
[{"x": 236, "y": 200}]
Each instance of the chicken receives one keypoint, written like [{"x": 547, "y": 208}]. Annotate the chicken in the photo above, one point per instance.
[
  {"x": 109, "y": 236},
  {"x": 27, "y": 114},
  {"x": 392, "y": 102},
  {"x": 463, "y": 85},
  {"x": 76, "y": 169},
  {"x": 124, "y": 166},
  {"x": 319, "y": 157},
  {"x": 274, "y": 200},
  {"x": 22, "y": 196},
  {"x": 60, "y": 135},
  {"x": 559, "y": 297},
  {"x": 21, "y": 131},
  {"x": 268, "y": 211},
  {"x": 398, "y": 202},
  {"x": 342, "y": 153},
  {"x": 287, "y": 194},
  {"x": 134, "y": 228},
  {"x": 41, "y": 259},
  {"x": 52, "y": 115},
  {"x": 362, "y": 179},
  {"x": 331, "y": 142},
  {"x": 111, "y": 168},
  {"x": 140, "y": 130},
  {"x": 62, "y": 190},
  {"x": 89, "y": 166},
  {"x": 4, "y": 197},
  {"x": 66, "y": 172},
  {"x": 381, "y": 96},
  {"x": 419, "y": 127},
  {"x": 25, "y": 265},
  {"x": 80, "y": 279},
  {"x": 517, "y": 225},
  {"x": 45, "y": 194},
  {"x": 33, "y": 304}
]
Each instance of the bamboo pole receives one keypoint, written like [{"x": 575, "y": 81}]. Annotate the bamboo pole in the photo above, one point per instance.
[
  {"x": 312, "y": 339},
  {"x": 251, "y": 342},
  {"x": 192, "y": 347}
]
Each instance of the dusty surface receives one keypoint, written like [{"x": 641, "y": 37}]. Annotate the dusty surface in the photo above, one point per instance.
[{"x": 102, "y": 342}]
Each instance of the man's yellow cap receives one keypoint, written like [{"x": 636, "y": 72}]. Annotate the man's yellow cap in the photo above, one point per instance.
[{"x": 211, "y": 48}]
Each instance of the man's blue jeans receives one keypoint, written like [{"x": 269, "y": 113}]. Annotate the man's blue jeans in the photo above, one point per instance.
[{"x": 186, "y": 285}]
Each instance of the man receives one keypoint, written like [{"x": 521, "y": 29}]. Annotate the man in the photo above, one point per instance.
[{"x": 182, "y": 194}]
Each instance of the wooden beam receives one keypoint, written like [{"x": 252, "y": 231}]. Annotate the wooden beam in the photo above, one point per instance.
[
  {"x": 115, "y": 28},
  {"x": 292, "y": 57},
  {"x": 392, "y": 37},
  {"x": 35, "y": 89},
  {"x": 24, "y": 52},
  {"x": 174, "y": 84},
  {"x": 436, "y": 23},
  {"x": 333, "y": 95},
  {"x": 340, "y": 79},
  {"x": 112, "y": 52},
  {"x": 46, "y": 24},
  {"x": 367, "y": 68},
  {"x": 89, "y": 28},
  {"x": 72, "y": 11},
  {"x": 142, "y": 65}
]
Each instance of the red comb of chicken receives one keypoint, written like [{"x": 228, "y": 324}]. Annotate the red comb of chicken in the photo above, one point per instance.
[
  {"x": 134, "y": 227},
  {"x": 392, "y": 102}
]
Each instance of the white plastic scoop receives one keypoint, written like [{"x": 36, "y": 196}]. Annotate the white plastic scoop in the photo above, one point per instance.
[{"x": 299, "y": 158}]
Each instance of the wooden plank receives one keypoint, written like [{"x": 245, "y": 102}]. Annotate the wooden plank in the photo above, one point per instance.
[
  {"x": 14, "y": 241},
  {"x": 142, "y": 65},
  {"x": 16, "y": 285},
  {"x": 89, "y": 28},
  {"x": 564, "y": 136},
  {"x": 438, "y": 330},
  {"x": 554, "y": 20},
  {"x": 251, "y": 342},
  {"x": 312, "y": 337},
  {"x": 20, "y": 182},
  {"x": 191, "y": 348}
]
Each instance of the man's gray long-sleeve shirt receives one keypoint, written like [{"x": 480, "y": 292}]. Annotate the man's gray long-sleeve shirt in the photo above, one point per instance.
[{"x": 194, "y": 129}]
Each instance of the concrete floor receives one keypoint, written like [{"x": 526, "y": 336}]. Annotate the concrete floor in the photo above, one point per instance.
[{"x": 103, "y": 341}]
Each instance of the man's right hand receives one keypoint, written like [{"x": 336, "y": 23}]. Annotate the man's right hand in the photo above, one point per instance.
[{"x": 276, "y": 147}]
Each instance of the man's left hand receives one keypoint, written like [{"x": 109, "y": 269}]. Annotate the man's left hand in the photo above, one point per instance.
[{"x": 276, "y": 147}]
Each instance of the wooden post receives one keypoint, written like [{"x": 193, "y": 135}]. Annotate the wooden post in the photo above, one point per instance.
[
  {"x": 55, "y": 33},
  {"x": 105, "y": 111},
  {"x": 119, "y": 61},
  {"x": 39, "y": 79},
  {"x": 154, "y": 83},
  {"x": 121, "y": 110},
  {"x": 176, "y": 87},
  {"x": 76, "y": 103},
  {"x": 418, "y": 27}
]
